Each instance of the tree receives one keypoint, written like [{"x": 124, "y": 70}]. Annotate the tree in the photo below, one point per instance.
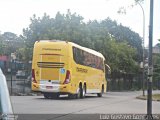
[
  {"x": 12, "y": 40},
  {"x": 156, "y": 68},
  {"x": 10, "y": 43},
  {"x": 156, "y": 71},
  {"x": 119, "y": 44},
  {"x": 123, "y": 9},
  {"x": 1, "y": 45},
  {"x": 9, "y": 36},
  {"x": 123, "y": 34}
]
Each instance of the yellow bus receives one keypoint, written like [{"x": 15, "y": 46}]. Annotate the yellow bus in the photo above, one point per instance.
[{"x": 61, "y": 67}]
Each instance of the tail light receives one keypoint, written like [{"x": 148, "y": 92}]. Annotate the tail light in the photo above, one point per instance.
[
  {"x": 33, "y": 76},
  {"x": 68, "y": 77}
]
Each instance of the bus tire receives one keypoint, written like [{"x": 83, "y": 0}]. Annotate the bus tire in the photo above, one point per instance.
[
  {"x": 72, "y": 96},
  {"x": 78, "y": 95},
  {"x": 102, "y": 91},
  {"x": 51, "y": 95},
  {"x": 80, "y": 92},
  {"x": 46, "y": 95},
  {"x": 99, "y": 94},
  {"x": 54, "y": 95},
  {"x": 84, "y": 91}
]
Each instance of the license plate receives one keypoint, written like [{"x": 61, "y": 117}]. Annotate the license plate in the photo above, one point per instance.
[{"x": 49, "y": 87}]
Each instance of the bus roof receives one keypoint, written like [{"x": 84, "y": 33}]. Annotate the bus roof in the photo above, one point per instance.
[
  {"x": 76, "y": 45},
  {"x": 88, "y": 50}
]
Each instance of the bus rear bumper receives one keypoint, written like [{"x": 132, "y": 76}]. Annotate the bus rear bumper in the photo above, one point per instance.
[{"x": 54, "y": 88}]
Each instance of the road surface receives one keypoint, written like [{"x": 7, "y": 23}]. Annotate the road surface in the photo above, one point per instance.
[{"x": 110, "y": 103}]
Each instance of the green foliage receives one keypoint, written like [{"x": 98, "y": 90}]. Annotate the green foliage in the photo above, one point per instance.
[
  {"x": 139, "y": 1},
  {"x": 123, "y": 9},
  {"x": 123, "y": 34},
  {"x": 10, "y": 43},
  {"x": 120, "y": 56},
  {"x": 120, "y": 45},
  {"x": 1, "y": 45},
  {"x": 156, "y": 69}
]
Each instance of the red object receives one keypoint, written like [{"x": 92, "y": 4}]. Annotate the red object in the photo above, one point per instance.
[
  {"x": 33, "y": 76},
  {"x": 3, "y": 58},
  {"x": 68, "y": 77}
]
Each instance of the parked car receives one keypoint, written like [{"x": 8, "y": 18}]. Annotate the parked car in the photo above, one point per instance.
[
  {"x": 5, "y": 103},
  {"x": 21, "y": 74}
]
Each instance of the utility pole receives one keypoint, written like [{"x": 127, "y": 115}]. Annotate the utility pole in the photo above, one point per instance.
[
  {"x": 150, "y": 65},
  {"x": 143, "y": 80}
]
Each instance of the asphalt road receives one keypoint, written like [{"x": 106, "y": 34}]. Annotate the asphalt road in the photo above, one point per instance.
[{"x": 110, "y": 103}]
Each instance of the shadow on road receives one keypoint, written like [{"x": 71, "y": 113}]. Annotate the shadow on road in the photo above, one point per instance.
[{"x": 65, "y": 97}]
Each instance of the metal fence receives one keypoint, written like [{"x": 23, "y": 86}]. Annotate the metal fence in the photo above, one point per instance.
[{"x": 18, "y": 86}]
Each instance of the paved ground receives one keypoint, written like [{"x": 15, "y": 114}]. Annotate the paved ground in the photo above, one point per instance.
[{"x": 111, "y": 102}]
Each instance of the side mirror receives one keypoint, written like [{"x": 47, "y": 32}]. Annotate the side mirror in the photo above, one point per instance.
[{"x": 108, "y": 69}]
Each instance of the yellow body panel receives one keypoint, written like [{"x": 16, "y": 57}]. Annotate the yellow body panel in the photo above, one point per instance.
[{"x": 52, "y": 59}]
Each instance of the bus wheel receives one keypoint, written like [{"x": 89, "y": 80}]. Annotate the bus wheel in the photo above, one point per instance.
[
  {"x": 51, "y": 95},
  {"x": 80, "y": 92},
  {"x": 46, "y": 95},
  {"x": 102, "y": 91},
  {"x": 78, "y": 95},
  {"x": 54, "y": 95},
  {"x": 84, "y": 91},
  {"x": 72, "y": 96}
]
